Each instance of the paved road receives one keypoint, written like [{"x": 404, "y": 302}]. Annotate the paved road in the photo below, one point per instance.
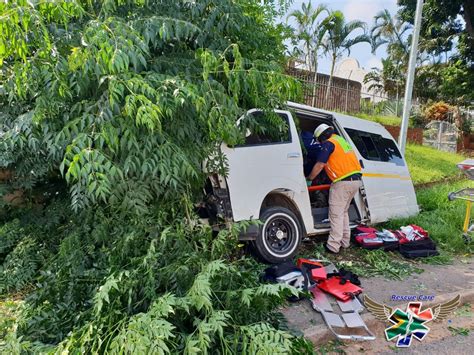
[
  {"x": 440, "y": 340},
  {"x": 459, "y": 345}
]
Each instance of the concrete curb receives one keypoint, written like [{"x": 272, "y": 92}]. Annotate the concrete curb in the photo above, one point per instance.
[{"x": 321, "y": 334}]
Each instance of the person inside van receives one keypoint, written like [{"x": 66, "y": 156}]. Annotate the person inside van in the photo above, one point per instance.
[
  {"x": 312, "y": 148},
  {"x": 340, "y": 163}
]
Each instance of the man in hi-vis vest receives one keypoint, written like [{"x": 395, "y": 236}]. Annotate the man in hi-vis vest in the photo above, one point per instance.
[{"x": 342, "y": 167}]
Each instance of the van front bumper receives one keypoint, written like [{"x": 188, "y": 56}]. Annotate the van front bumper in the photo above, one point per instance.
[{"x": 250, "y": 233}]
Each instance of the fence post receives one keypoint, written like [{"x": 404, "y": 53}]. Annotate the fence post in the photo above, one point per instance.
[
  {"x": 347, "y": 88},
  {"x": 396, "y": 105},
  {"x": 440, "y": 131}
]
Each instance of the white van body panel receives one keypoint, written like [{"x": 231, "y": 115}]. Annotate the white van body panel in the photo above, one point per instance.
[
  {"x": 256, "y": 171},
  {"x": 389, "y": 188}
]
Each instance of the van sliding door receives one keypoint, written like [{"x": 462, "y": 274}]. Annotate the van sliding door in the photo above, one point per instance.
[{"x": 388, "y": 185}]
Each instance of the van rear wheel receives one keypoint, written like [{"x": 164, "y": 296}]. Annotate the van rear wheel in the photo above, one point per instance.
[{"x": 279, "y": 236}]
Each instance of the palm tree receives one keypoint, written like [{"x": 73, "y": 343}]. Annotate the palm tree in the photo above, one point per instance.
[
  {"x": 338, "y": 40},
  {"x": 387, "y": 80},
  {"x": 310, "y": 33},
  {"x": 390, "y": 30}
]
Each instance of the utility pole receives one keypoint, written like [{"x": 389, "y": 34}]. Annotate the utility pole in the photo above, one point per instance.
[{"x": 410, "y": 77}]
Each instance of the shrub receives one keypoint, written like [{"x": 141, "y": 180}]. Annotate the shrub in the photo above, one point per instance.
[
  {"x": 439, "y": 111},
  {"x": 122, "y": 100}
]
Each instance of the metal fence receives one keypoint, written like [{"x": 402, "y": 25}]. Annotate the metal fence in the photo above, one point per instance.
[
  {"x": 442, "y": 135},
  {"x": 343, "y": 95}
]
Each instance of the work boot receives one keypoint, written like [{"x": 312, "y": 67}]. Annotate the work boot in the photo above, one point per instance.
[{"x": 330, "y": 251}]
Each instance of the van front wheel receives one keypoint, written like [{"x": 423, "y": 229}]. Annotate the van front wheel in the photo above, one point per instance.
[{"x": 280, "y": 235}]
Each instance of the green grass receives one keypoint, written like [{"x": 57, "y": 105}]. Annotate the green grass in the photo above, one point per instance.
[
  {"x": 459, "y": 331},
  {"x": 365, "y": 263},
  {"x": 429, "y": 165},
  {"x": 443, "y": 219},
  {"x": 385, "y": 120}
]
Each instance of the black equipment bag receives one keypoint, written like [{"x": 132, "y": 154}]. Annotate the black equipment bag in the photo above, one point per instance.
[
  {"x": 273, "y": 272},
  {"x": 418, "y": 249}
]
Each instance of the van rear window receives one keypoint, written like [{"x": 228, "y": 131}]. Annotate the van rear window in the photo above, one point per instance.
[
  {"x": 375, "y": 147},
  {"x": 265, "y": 128}
]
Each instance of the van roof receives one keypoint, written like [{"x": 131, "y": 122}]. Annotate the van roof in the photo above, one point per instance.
[{"x": 345, "y": 120}]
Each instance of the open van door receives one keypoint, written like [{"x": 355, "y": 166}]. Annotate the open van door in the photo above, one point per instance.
[{"x": 387, "y": 182}]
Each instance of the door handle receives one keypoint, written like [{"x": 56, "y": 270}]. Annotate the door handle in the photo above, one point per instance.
[
  {"x": 361, "y": 163},
  {"x": 293, "y": 155}
]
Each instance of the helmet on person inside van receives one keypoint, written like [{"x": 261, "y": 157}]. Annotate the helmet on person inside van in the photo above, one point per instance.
[{"x": 323, "y": 132}]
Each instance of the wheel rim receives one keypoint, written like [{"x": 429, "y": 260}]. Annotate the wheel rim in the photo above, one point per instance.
[{"x": 280, "y": 235}]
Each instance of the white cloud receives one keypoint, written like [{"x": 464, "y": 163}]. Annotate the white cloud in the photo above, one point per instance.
[
  {"x": 365, "y": 10},
  {"x": 373, "y": 62}
]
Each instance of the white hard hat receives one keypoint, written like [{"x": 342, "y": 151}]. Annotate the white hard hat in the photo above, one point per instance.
[{"x": 320, "y": 129}]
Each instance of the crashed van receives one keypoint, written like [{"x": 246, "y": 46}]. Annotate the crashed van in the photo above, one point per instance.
[{"x": 265, "y": 181}]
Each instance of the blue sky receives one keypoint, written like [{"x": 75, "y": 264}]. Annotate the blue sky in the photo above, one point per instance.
[{"x": 363, "y": 10}]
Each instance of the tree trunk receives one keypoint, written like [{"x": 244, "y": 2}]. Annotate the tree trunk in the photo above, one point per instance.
[
  {"x": 308, "y": 56},
  {"x": 315, "y": 80},
  {"x": 328, "y": 89},
  {"x": 468, "y": 7}
]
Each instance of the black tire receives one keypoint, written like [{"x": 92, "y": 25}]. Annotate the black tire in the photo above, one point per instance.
[{"x": 279, "y": 236}]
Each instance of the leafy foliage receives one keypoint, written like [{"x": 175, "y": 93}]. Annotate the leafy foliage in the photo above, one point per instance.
[
  {"x": 390, "y": 30},
  {"x": 169, "y": 71},
  {"x": 389, "y": 79},
  {"x": 441, "y": 24},
  {"x": 446, "y": 31},
  {"x": 112, "y": 106}
]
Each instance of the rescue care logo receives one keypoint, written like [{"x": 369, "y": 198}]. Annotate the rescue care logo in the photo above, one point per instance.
[{"x": 411, "y": 323}]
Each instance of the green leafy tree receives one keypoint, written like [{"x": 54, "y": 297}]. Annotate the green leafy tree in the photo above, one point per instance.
[
  {"x": 107, "y": 110},
  {"x": 340, "y": 39},
  {"x": 445, "y": 34},
  {"x": 440, "y": 20}
]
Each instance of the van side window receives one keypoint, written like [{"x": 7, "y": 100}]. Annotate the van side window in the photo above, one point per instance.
[
  {"x": 265, "y": 128},
  {"x": 372, "y": 152},
  {"x": 375, "y": 147},
  {"x": 389, "y": 151}
]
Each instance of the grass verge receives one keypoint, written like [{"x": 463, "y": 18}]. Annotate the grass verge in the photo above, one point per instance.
[
  {"x": 385, "y": 120},
  {"x": 443, "y": 219},
  {"x": 430, "y": 165},
  {"x": 365, "y": 263}
]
